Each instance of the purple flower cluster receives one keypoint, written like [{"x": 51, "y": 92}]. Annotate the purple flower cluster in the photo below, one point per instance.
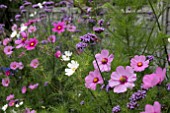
[
  {"x": 86, "y": 39},
  {"x": 150, "y": 58},
  {"x": 98, "y": 29},
  {"x": 1, "y": 28},
  {"x": 140, "y": 94},
  {"x": 2, "y": 6},
  {"x": 116, "y": 109}
]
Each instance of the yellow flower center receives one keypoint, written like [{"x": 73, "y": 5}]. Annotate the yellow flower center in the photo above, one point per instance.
[
  {"x": 139, "y": 64},
  {"x": 59, "y": 27},
  {"x": 32, "y": 44},
  {"x": 123, "y": 79},
  {"x": 95, "y": 80}
]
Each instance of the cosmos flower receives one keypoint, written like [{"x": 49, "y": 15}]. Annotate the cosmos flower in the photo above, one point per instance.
[
  {"x": 57, "y": 54},
  {"x": 4, "y": 108},
  {"x": 160, "y": 73},
  {"x": 34, "y": 63},
  {"x": 11, "y": 103},
  {"x": 66, "y": 56},
  {"x": 139, "y": 63},
  {"x": 10, "y": 97},
  {"x": 6, "y": 41},
  {"x": 31, "y": 44},
  {"x": 150, "y": 80},
  {"x": 52, "y": 38},
  {"x": 8, "y": 50},
  {"x": 24, "y": 89},
  {"x": 93, "y": 79},
  {"x": 122, "y": 79},
  {"x": 71, "y": 28},
  {"x": 156, "y": 108},
  {"x": 71, "y": 68},
  {"x": 59, "y": 27},
  {"x": 33, "y": 86},
  {"x": 5, "y": 82},
  {"x": 32, "y": 29},
  {"x": 104, "y": 61},
  {"x": 14, "y": 65}
]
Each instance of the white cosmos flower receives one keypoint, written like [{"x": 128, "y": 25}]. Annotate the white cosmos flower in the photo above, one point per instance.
[
  {"x": 23, "y": 28},
  {"x": 169, "y": 40},
  {"x": 66, "y": 56},
  {"x": 5, "y": 107},
  {"x": 40, "y": 5},
  {"x": 14, "y": 33},
  {"x": 71, "y": 68},
  {"x": 33, "y": 14}
]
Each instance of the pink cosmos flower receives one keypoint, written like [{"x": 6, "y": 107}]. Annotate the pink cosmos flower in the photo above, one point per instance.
[
  {"x": 33, "y": 86},
  {"x": 104, "y": 61},
  {"x": 52, "y": 38},
  {"x": 58, "y": 54},
  {"x": 160, "y": 73},
  {"x": 139, "y": 63},
  {"x": 71, "y": 28},
  {"x": 8, "y": 50},
  {"x": 150, "y": 81},
  {"x": 156, "y": 108},
  {"x": 20, "y": 65},
  {"x": 6, "y": 41},
  {"x": 32, "y": 29},
  {"x": 122, "y": 79},
  {"x": 59, "y": 27},
  {"x": 21, "y": 42},
  {"x": 14, "y": 65},
  {"x": 14, "y": 27},
  {"x": 34, "y": 63},
  {"x": 24, "y": 89},
  {"x": 5, "y": 82},
  {"x": 27, "y": 110},
  {"x": 30, "y": 45},
  {"x": 93, "y": 79},
  {"x": 10, "y": 97},
  {"x": 11, "y": 103}
]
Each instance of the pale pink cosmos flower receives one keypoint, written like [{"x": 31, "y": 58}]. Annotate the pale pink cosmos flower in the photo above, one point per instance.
[
  {"x": 21, "y": 42},
  {"x": 14, "y": 27},
  {"x": 31, "y": 44},
  {"x": 52, "y": 38},
  {"x": 24, "y": 89},
  {"x": 156, "y": 108},
  {"x": 104, "y": 61},
  {"x": 33, "y": 86},
  {"x": 139, "y": 63},
  {"x": 122, "y": 79},
  {"x": 10, "y": 97},
  {"x": 59, "y": 27},
  {"x": 160, "y": 73},
  {"x": 150, "y": 80},
  {"x": 11, "y": 103},
  {"x": 5, "y": 82},
  {"x": 20, "y": 65},
  {"x": 27, "y": 110},
  {"x": 34, "y": 63},
  {"x": 14, "y": 65},
  {"x": 8, "y": 50},
  {"x": 32, "y": 29},
  {"x": 71, "y": 28},
  {"x": 58, "y": 54},
  {"x": 6, "y": 41},
  {"x": 93, "y": 79}
]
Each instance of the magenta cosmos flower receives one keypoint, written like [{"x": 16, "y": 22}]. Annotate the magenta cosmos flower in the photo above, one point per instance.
[
  {"x": 156, "y": 108},
  {"x": 58, "y": 54},
  {"x": 34, "y": 63},
  {"x": 11, "y": 103},
  {"x": 5, "y": 82},
  {"x": 14, "y": 65},
  {"x": 104, "y": 61},
  {"x": 52, "y": 38},
  {"x": 150, "y": 81},
  {"x": 139, "y": 63},
  {"x": 160, "y": 73},
  {"x": 8, "y": 50},
  {"x": 6, "y": 41},
  {"x": 30, "y": 45},
  {"x": 93, "y": 79},
  {"x": 59, "y": 27},
  {"x": 122, "y": 79},
  {"x": 24, "y": 89},
  {"x": 71, "y": 28},
  {"x": 33, "y": 86}
]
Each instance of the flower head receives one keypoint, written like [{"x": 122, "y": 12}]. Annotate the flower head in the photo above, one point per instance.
[
  {"x": 6, "y": 41},
  {"x": 122, "y": 79},
  {"x": 139, "y": 63},
  {"x": 33, "y": 86},
  {"x": 14, "y": 65},
  {"x": 5, "y": 82},
  {"x": 160, "y": 73},
  {"x": 59, "y": 27},
  {"x": 32, "y": 29},
  {"x": 52, "y": 38},
  {"x": 93, "y": 79},
  {"x": 71, "y": 28},
  {"x": 5, "y": 107},
  {"x": 31, "y": 44},
  {"x": 8, "y": 50},
  {"x": 71, "y": 68},
  {"x": 11, "y": 103},
  {"x": 156, "y": 108},
  {"x": 150, "y": 80},
  {"x": 57, "y": 54},
  {"x": 34, "y": 63},
  {"x": 66, "y": 56},
  {"x": 24, "y": 89},
  {"x": 104, "y": 61},
  {"x": 10, "y": 97}
]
